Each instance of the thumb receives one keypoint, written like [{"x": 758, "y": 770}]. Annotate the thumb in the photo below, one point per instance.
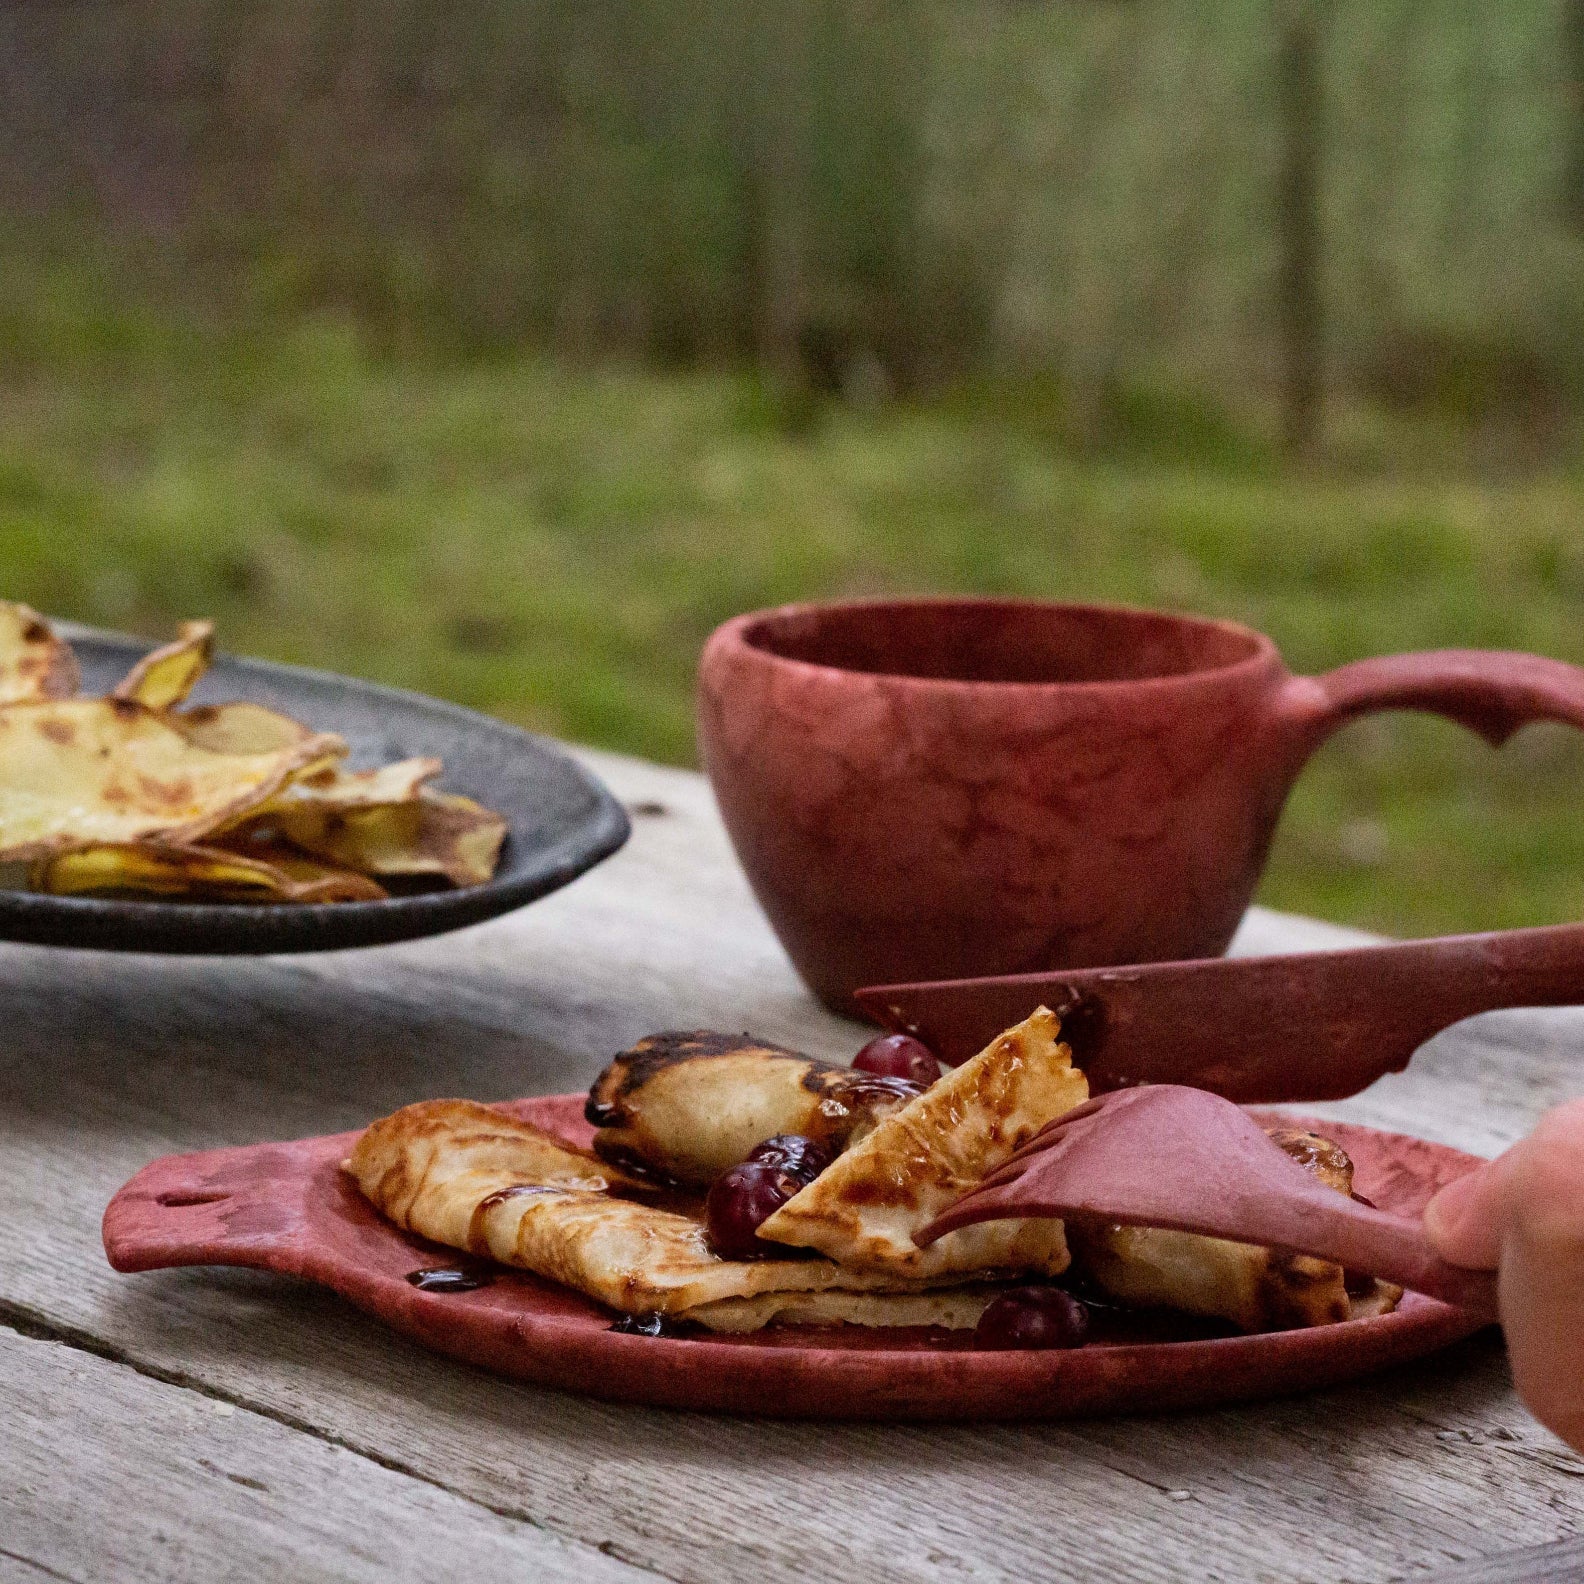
[
  {"x": 1526, "y": 1210},
  {"x": 1465, "y": 1221}
]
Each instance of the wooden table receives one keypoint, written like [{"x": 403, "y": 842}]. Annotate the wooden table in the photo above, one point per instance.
[{"x": 215, "y": 1424}]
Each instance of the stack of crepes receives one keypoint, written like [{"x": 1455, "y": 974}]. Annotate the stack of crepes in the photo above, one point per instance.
[
  {"x": 137, "y": 793},
  {"x": 680, "y": 1109}
]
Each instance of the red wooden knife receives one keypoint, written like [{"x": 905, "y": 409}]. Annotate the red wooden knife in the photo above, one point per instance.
[{"x": 1313, "y": 1026}]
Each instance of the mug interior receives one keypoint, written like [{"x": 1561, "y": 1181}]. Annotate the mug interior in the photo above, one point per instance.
[{"x": 1018, "y": 641}]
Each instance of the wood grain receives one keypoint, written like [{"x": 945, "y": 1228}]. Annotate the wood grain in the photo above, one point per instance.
[
  {"x": 174, "y": 1484},
  {"x": 107, "y": 1061},
  {"x": 1559, "y": 1563}
]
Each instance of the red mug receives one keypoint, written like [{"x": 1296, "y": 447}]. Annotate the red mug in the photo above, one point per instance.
[{"x": 943, "y": 788}]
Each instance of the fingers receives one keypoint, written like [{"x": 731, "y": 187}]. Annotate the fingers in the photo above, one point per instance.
[
  {"x": 1466, "y": 1220},
  {"x": 1542, "y": 1274},
  {"x": 1527, "y": 1208}
]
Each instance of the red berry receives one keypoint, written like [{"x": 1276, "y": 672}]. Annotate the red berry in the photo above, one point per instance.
[
  {"x": 899, "y": 1056},
  {"x": 799, "y": 1157},
  {"x": 1033, "y": 1317},
  {"x": 740, "y": 1199}
]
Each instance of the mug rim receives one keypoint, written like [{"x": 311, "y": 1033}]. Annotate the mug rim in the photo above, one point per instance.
[{"x": 743, "y": 631}]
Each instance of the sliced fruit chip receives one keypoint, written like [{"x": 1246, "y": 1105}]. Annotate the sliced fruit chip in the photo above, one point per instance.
[
  {"x": 119, "y": 789},
  {"x": 457, "y": 837},
  {"x": 34, "y": 663},
  {"x": 211, "y": 873},
  {"x": 387, "y": 822},
  {"x": 392, "y": 783},
  {"x": 83, "y": 772},
  {"x": 268, "y": 846},
  {"x": 166, "y": 676},
  {"x": 239, "y": 728},
  {"x": 307, "y": 874}
]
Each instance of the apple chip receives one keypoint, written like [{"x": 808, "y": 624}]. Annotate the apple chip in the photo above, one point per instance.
[
  {"x": 341, "y": 789},
  {"x": 203, "y": 873},
  {"x": 239, "y": 728},
  {"x": 34, "y": 663},
  {"x": 166, "y": 676},
  {"x": 85, "y": 772},
  {"x": 386, "y": 822}
]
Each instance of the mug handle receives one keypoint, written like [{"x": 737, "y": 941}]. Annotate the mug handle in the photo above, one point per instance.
[{"x": 1490, "y": 691}]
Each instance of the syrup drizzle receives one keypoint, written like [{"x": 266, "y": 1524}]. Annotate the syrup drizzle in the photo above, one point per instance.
[
  {"x": 449, "y": 1279},
  {"x": 650, "y": 1325}
]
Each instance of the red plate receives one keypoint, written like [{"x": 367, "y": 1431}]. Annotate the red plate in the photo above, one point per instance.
[{"x": 286, "y": 1207}]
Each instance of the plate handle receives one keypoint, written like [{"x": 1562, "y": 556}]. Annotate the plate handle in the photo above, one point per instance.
[{"x": 221, "y": 1207}]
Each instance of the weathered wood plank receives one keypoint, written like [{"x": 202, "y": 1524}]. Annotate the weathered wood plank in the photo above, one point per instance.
[
  {"x": 105, "y": 1062},
  {"x": 16, "y": 1569},
  {"x": 164, "y": 1484},
  {"x": 1559, "y": 1563}
]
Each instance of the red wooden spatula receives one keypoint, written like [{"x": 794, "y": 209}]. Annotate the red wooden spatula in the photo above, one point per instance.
[
  {"x": 1314, "y": 1026},
  {"x": 1169, "y": 1156}
]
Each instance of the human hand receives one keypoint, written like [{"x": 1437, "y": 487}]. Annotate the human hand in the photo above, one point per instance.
[{"x": 1522, "y": 1215}]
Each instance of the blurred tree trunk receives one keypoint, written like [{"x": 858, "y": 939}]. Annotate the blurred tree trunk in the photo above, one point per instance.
[
  {"x": 774, "y": 219},
  {"x": 1300, "y": 311},
  {"x": 1573, "y": 65}
]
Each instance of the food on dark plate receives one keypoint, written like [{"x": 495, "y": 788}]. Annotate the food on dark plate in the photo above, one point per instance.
[
  {"x": 34, "y": 663},
  {"x": 277, "y": 874},
  {"x": 134, "y": 793},
  {"x": 83, "y": 773},
  {"x": 813, "y": 1198}
]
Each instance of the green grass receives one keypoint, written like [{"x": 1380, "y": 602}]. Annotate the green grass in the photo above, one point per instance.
[{"x": 554, "y": 546}]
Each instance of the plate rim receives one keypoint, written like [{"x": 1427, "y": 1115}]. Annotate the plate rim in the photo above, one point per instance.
[{"x": 563, "y": 1340}]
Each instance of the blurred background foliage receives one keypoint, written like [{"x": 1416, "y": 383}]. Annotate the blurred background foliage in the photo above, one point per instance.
[{"x": 503, "y": 349}]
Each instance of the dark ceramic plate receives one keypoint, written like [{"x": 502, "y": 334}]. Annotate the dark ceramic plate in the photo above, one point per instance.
[
  {"x": 562, "y": 820},
  {"x": 288, "y": 1207}
]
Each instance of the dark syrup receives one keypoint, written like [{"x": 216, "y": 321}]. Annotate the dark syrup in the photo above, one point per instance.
[
  {"x": 650, "y": 1325},
  {"x": 449, "y": 1279},
  {"x": 1113, "y": 1323}
]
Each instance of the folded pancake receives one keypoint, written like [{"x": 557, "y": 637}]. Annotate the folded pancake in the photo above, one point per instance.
[
  {"x": 471, "y": 1177},
  {"x": 864, "y": 1209},
  {"x": 1256, "y": 1288},
  {"x": 949, "y": 1308},
  {"x": 690, "y": 1105}
]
